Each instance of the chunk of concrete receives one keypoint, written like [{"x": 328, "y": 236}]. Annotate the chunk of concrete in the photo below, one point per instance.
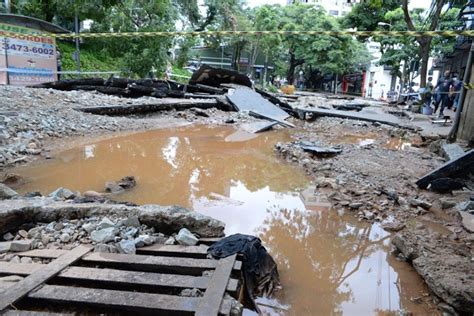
[
  {"x": 5, "y": 246},
  {"x": 126, "y": 246},
  {"x": 6, "y": 192},
  {"x": 62, "y": 194},
  {"x": 422, "y": 203},
  {"x": 131, "y": 221},
  {"x": 105, "y": 248},
  {"x": 113, "y": 187},
  {"x": 89, "y": 227},
  {"x": 104, "y": 235},
  {"x": 467, "y": 221},
  {"x": 21, "y": 245},
  {"x": 186, "y": 238},
  {"x": 105, "y": 223},
  {"x": 451, "y": 151}
]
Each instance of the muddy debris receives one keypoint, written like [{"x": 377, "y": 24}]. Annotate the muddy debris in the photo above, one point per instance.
[
  {"x": 116, "y": 187},
  {"x": 444, "y": 265}
]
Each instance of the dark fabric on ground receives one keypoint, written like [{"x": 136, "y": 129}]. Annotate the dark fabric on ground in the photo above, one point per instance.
[{"x": 259, "y": 269}]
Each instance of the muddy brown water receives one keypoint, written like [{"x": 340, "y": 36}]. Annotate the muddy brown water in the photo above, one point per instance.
[{"x": 330, "y": 263}]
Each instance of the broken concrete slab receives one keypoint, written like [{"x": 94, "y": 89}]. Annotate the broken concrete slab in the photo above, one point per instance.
[
  {"x": 319, "y": 150},
  {"x": 365, "y": 115},
  {"x": 246, "y": 99},
  {"x": 459, "y": 167},
  {"x": 257, "y": 127},
  {"x": 271, "y": 118},
  {"x": 451, "y": 151},
  {"x": 165, "y": 219}
]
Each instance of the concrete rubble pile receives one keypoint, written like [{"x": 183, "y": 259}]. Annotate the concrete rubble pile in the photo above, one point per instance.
[{"x": 56, "y": 222}]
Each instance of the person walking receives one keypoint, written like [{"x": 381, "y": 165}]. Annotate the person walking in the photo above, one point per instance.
[
  {"x": 58, "y": 63},
  {"x": 457, "y": 92},
  {"x": 443, "y": 87}
]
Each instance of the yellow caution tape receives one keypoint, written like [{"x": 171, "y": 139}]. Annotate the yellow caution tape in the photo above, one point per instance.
[
  {"x": 469, "y": 86},
  {"x": 452, "y": 33}
]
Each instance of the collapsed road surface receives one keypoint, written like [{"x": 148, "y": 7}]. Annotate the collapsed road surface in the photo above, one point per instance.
[{"x": 327, "y": 220}]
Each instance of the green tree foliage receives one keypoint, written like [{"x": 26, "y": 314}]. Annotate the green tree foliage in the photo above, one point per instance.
[
  {"x": 325, "y": 54},
  {"x": 366, "y": 15},
  {"x": 405, "y": 50},
  {"x": 140, "y": 55},
  {"x": 62, "y": 11}
]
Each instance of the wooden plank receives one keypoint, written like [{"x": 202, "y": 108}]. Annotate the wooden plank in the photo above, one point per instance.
[
  {"x": 175, "y": 250},
  {"x": 43, "y": 253},
  {"x": 121, "y": 277},
  {"x": 140, "y": 261},
  {"x": 152, "y": 263},
  {"x": 20, "y": 289},
  {"x": 214, "y": 295},
  {"x": 19, "y": 268},
  {"x": 112, "y": 299},
  {"x": 454, "y": 168},
  {"x": 133, "y": 278}
]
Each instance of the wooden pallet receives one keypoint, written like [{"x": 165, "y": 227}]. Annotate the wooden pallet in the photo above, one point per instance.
[{"x": 149, "y": 282}]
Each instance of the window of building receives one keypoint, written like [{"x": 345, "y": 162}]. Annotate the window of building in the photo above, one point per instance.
[{"x": 334, "y": 12}]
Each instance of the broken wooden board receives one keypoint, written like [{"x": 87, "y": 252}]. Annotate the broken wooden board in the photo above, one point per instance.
[
  {"x": 23, "y": 287},
  {"x": 246, "y": 99},
  {"x": 159, "y": 105},
  {"x": 366, "y": 116},
  {"x": 461, "y": 166}
]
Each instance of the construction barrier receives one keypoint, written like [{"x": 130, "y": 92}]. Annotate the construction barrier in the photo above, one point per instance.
[{"x": 450, "y": 33}]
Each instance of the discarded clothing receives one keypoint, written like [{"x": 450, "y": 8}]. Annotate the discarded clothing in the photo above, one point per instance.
[{"x": 259, "y": 269}]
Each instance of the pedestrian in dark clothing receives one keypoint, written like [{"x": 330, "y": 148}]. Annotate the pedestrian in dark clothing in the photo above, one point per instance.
[
  {"x": 58, "y": 63},
  {"x": 444, "y": 86},
  {"x": 457, "y": 92}
]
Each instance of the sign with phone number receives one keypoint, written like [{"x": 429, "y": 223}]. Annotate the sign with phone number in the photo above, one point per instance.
[{"x": 15, "y": 47}]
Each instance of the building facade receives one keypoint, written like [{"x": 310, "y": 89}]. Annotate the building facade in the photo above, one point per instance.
[{"x": 335, "y": 8}]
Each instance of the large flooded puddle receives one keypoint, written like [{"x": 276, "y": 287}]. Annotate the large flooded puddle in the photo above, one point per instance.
[{"x": 330, "y": 263}]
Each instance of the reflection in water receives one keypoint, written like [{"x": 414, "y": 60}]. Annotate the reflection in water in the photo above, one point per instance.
[{"x": 329, "y": 264}]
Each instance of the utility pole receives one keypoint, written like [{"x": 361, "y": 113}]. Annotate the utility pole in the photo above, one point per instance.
[{"x": 78, "y": 51}]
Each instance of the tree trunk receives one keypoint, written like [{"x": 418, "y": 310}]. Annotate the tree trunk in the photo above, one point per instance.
[
  {"x": 290, "y": 75},
  {"x": 424, "y": 42},
  {"x": 425, "y": 56},
  {"x": 265, "y": 70},
  {"x": 237, "y": 54}
]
